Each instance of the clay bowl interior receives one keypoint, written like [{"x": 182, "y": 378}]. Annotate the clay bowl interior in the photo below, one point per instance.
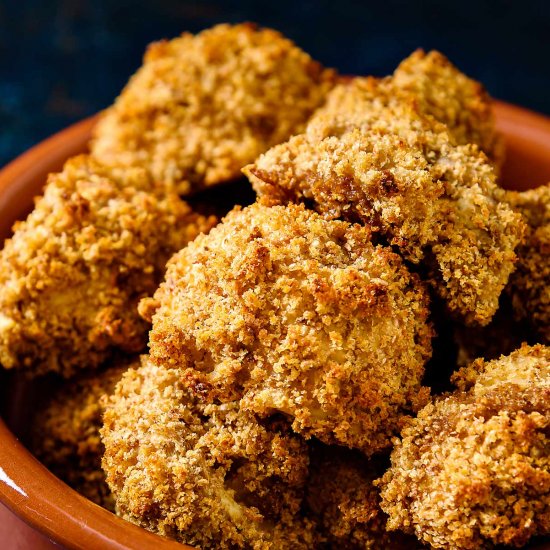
[{"x": 26, "y": 487}]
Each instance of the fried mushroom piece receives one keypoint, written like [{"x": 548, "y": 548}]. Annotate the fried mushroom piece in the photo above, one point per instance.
[
  {"x": 400, "y": 173},
  {"x": 295, "y": 314},
  {"x": 345, "y": 504},
  {"x": 209, "y": 475},
  {"x": 437, "y": 88},
  {"x": 526, "y": 366},
  {"x": 529, "y": 286},
  {"x": 473, "y": 470},
  {"x": 447, "y": 94},
  {"x": 72, "y": 274},
  {"x": 202, "y": 107},
  {"x": 65, "y": 432}
]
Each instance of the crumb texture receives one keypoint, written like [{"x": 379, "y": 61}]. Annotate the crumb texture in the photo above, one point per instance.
[
  {"x": 298, "y": 315},
  {"x": 202, "y": 107},
  {"x": 204, "y": 474},
  {"x": 65, "y": 431},
  {"x": 473, "y": 469},
  {"x": 345, "y": 503},
  {"x": 529, "y": 285},
  {"x": 73, "y": 273},
  {"x": 401, "y": 173},
  {"x": 283, "y": 403}
]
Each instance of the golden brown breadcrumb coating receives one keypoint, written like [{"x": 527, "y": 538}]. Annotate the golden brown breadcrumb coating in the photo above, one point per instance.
[
  {"x": 526, "y": 366},
  {"x": 65, "y": 431},
  {"x": 299, "y": 315},
  {"x": 437, "y": 88},
  {"x": 202, "y": 107},
  {"x": 72, "y": 274},
  {"x": 473, "y": 470},
  {"x": 401, "y": 174},
  {"x": 462, "y": 104},
  {"x": 206, "y": 474},
  {"x": 344, "y": 502},
  {"x": 529, "y": 285}
]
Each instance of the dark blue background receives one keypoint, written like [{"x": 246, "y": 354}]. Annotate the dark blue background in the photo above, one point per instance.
[{"x": 61, "y": 60}]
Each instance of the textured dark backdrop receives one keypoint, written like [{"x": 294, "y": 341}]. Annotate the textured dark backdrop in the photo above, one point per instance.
[{"x": 61, "y": 60}]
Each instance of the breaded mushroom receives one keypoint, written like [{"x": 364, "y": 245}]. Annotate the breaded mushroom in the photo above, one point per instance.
[
  {"x": 525, "y": 367},
  {"x": 529, "y": 285},
  {"x": 473, "y": 470},
  {"x": 401, "y": 174},
  {"x": 437, "y": 88},
  {"x": 294, "y": 314},
  {"x": 65, "y": 431},
  {"x": 202, "y": 107},
  {"x": 345, "y": 504},
  {"x": 209, "y": 475},
  {"x": 462, "y": 104},
  {"x": 72, "y": 274}
]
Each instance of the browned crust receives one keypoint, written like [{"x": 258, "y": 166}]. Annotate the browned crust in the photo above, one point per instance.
[
  {"x": 473, "y": 470},
  {"x": 343, "y": 500},
  {"x": 293, "y": 313},
  {"x": 72, "y": 274},
  {"x": 400, "y": 173},
  {"x": 208, "y": 475},
  {"x": 65, "y": 431},
  {"x": 529, "y": 286},
  {"x": 437, "y": 89},
  {"x": 202, "y": 107}
]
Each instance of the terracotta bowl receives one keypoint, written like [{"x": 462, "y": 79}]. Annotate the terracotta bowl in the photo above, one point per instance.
[{"x": 43, "y": 508}]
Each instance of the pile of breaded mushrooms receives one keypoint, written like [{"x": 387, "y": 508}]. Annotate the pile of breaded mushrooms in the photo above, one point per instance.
[{"x": 354, "y": 356}]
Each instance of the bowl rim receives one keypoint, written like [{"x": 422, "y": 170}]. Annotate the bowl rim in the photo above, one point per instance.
[{"x": 62, "y": 514}]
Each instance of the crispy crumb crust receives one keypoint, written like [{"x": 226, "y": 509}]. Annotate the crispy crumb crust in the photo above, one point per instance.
[
  {"x": 462, "y": 104},
  {"x": 65, "y": 431},
  {"x": 400, "y": 173},
  {"x": 529, "y": 285},
  {"x": 473, "y": 470},
  {"x": 293, "y": 313},
  {"x": 72, "y": 274},
  {"x": 438, "y": 89},
  {"x": 202, "y": 107},
  {"x": 345, "y": 504},
  {"x": 204, "y": 474},
  {"x": 526, "y": 366}
]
